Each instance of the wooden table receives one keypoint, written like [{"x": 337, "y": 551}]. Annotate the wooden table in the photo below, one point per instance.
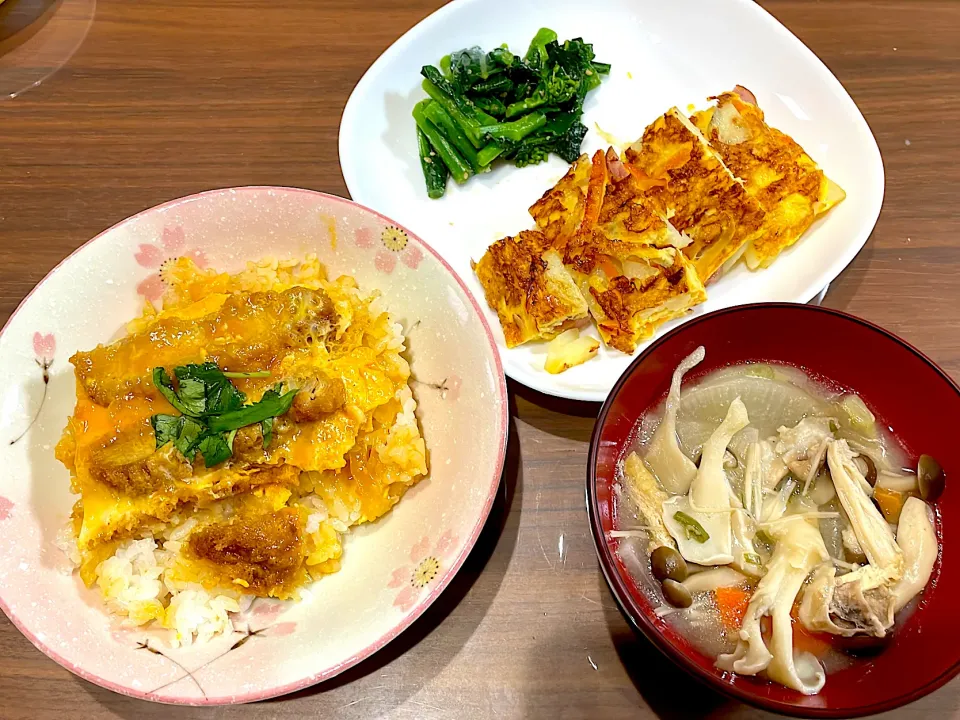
[{"x": 169, "y": 97}]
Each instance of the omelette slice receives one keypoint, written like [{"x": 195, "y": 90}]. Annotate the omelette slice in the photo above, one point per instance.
[
  {"x": 533, "y": 294},
  {"x": 560, "y": 211},
  {"x": 627, "y": 215},
  {"x": 774, "y": 169},
  {"x": 600, "y": 194},
  {"x": 690, "y": 185},
  {"x": 632, "y": 288}
]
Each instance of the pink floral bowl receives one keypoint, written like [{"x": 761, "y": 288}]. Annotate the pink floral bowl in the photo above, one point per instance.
[{"x": 275, "y": 647}]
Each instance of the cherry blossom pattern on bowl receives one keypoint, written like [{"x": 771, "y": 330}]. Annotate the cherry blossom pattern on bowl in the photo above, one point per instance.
[
  {"x": 393, "y": 243},
  {"x": 271, "y": 648},
  {"x": 44, "y": 348},
  {"x": 171, "y": 245},
  {"x": 427, "y": 560}
]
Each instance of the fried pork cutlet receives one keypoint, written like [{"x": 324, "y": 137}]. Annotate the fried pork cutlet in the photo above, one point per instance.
[
  {"x": 774, "y": 169},
  {"x": 689, "y": 184},
  {"x": 525, "y": 281}
]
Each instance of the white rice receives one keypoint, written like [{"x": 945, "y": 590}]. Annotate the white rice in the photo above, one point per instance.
[
  {"x": 66, "y": 541},
  {"x": 197, "y": 614},
  {"x": 135, "y": 584},
  {"x": 132, "y": 580}
]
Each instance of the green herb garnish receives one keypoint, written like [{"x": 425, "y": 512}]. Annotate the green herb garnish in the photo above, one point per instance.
[
  {"x": 266, "y": 429},
  {"x": 272, "y": 404},
  {"x": 212, "y": 410},
  {"x": 761, "y": 370},
  {"x": 753, "y": 559},
  {"x": 693, "y": 528}
]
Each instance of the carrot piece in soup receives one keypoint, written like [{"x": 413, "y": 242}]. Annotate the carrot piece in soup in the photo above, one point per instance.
[{"x": 732, "y": 604}]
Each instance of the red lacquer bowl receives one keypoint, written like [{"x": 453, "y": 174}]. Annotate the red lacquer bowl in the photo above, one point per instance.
[{"x": 904, "y": 389}]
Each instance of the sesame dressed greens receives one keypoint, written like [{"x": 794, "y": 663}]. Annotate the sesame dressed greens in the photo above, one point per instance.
[{"x": 484, "y": 106}]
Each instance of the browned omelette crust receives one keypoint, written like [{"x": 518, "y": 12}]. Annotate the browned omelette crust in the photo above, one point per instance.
[
  {"x": 560, "y": 211},
  {"x": 525, "y": 282},
  {"x": 632, "y": 288},
  {"x": 622, "y": 260},
  {"x": 610, "y": 237},
  {"x": 699, "y": 196},
  {"x": 627, "y": 215},
  {"x": 774, "y": 169}
]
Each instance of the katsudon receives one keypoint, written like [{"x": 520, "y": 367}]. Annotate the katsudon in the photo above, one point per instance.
[
  {"x": 633, "y": 240},
  {"x": 226, "y": 444}
]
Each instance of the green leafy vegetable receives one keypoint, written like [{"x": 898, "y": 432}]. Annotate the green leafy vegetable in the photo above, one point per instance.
[
  {"x": 266, "y": 428},
  {"x": 458, "y": 167},
  {"x": 203, "y": 389},
  {"x": 166, "y": 428},
  {"x": 270, "y": 405},
  {"x": 761, "y": 370},
  {"x": 446, "y": 125},
  {"x": 537, "y": 56},
  {"x": 214, "y": 448},
  {"x": 691, "y": 527},
  {"x": 491, "y": 105},
  {"x": 215, "y": 391},
  {"x": 212, "y": 410},
  {"x": 161, "y": 379},
  {"x": 496, "y": 88},
  {"x": 188, "y": 438},
  {"x": 516, "y": 130},
  {"x": 435, "y": 173},
  {"x": 488, "y": 105},
  {"x": 764, "y": 538}
]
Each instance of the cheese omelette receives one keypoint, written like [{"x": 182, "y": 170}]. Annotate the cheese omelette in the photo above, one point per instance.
[{"x": 173, "y": 542}]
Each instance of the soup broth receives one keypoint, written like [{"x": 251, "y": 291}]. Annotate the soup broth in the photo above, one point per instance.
[{"x": 771, "y": 522}]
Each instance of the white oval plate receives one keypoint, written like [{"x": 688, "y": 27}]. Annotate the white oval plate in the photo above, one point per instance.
[
  {"x": 275, "y": 647},
  {"x": 663, "y": 54}
]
